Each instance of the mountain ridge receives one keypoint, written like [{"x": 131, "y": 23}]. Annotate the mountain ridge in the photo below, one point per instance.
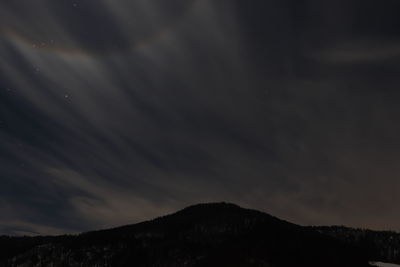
[{"x": 210, "y": 234}]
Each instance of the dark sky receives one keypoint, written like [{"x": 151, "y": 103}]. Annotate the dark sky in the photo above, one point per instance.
[{"x": 116, "y": 111}]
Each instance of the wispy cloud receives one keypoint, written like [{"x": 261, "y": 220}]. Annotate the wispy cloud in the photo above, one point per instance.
[{"x": 116, "y": 111}]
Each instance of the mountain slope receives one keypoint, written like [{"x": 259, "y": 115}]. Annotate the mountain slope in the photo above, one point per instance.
[
  {"x": 378, "y": 245},
  {"x": 203, "y": 235}
]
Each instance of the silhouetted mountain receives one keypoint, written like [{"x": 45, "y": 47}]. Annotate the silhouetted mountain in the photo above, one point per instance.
[
  {"x": 378, "y": 245},
  {"x": 202, "y": 235}
]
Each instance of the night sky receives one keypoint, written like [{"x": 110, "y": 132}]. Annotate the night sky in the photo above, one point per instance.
[{"x": 117, "y": 111}]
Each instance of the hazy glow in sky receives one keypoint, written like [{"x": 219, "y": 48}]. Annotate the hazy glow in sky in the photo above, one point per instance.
[{"x": 116, "y": 111}]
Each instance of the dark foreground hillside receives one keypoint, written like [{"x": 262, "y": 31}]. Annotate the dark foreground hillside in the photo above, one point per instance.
[
  {"x": 202, "y": 235},
  {"x": 378, "y": 245}
]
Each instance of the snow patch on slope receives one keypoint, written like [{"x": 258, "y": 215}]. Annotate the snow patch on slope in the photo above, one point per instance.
[{"x": 382, "y": 264}]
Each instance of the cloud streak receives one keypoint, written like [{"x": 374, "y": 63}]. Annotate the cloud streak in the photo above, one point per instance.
[{"x": 112, "y": 112}]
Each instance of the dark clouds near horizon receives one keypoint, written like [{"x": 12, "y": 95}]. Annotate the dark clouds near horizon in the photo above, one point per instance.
[{"x": 116, "y": 111}]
